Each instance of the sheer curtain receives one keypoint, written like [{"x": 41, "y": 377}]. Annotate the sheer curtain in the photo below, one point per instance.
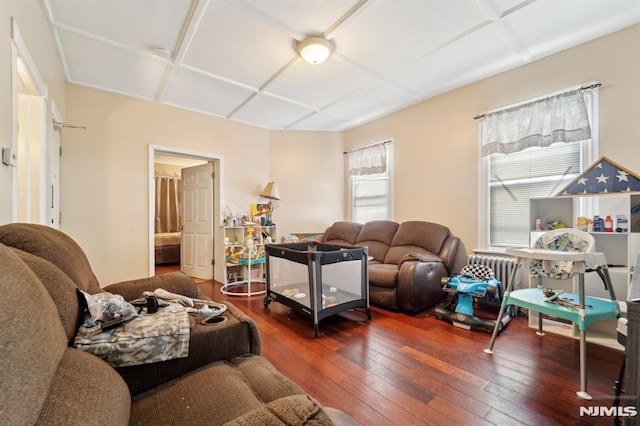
[
  {"x": 369, "y": 171},
  {"x": 531, "y": 149},
  {"x": 558, "y": 118},
  {"x": 167, "y": 204},
  {"x": 368, "y": 160}
]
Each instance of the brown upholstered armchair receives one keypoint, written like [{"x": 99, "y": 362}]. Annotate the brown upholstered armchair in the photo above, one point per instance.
[
  {"x": 45, "y": 381},
  {"x": 46, "y": 249},
  {"x": 408, "y": 260}
]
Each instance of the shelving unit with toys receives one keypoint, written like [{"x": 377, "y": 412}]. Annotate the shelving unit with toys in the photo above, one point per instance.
[
  {"x": 620, "y": 243},
  {"x": 245, "y": 259}
]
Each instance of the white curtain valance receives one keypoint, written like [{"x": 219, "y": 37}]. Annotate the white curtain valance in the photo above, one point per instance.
[
  {"x": 368, "y": 161},
  {"x": 558, "y": 118}
]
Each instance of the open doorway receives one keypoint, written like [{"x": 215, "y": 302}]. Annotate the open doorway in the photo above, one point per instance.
[
  {"x": 170, "y": 243},
  {"x": 168, "y": 209}
]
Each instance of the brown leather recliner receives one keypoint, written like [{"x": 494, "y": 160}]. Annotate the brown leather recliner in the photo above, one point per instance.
[{"x": 407, "y": 261}]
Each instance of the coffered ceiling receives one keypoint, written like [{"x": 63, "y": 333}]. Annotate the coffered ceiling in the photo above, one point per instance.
[{"x": 237, "y": 59}]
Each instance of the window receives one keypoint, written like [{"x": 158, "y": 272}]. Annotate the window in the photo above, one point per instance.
[
  {"x": 370, "y": 172},
  {"x": 536, "y": 163}
]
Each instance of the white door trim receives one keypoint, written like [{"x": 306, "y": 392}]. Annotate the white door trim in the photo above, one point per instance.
[
  {"x": 218, "y": 189},
  {"x": 53, "y": 172},
  {"x": 20, "y": 57}
]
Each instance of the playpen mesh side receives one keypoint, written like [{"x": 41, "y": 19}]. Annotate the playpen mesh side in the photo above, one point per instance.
[
  {"x": 342, "y": 276},
  {"x": 284, "y": 273},
  {"x": 345, "y": 276}
]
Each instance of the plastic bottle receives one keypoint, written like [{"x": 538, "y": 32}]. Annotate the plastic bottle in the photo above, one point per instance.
[
  {"x": 622, "y": 224},
  {"x": 608, "y": 224},
  {"x": 538, "y": 225}
]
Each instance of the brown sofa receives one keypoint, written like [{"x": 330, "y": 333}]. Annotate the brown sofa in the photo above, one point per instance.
[
  {"x": 407, "y": 260},
  {"x": 44, "y": 380}
]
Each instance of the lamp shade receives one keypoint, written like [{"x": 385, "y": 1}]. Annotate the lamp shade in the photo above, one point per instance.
[
  {"x": 270, "y": 191},
  {"x": 314, "y": 50}
]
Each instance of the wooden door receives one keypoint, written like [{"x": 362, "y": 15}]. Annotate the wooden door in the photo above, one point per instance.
[{"x": 196, "y": 258}]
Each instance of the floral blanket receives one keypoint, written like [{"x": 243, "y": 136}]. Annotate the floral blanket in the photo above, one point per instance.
[{"x": 145, "y": 339}]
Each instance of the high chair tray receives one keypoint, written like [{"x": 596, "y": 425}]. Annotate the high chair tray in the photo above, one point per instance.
[{"x": 596, "y": 309}]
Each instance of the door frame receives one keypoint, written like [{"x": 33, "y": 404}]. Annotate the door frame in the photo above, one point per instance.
[
  {"x": 22, "y": 62},
  {"x": 218, "y": 197},
  {"x": 53, "y": 174}
]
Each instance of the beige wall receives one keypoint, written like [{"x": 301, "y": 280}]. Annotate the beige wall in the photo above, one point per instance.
[
  {"x": 105, "y": 173},
  {"x": 308, "y": 168},
  {"x": 104, "y": 169},
  {"x": 436, "y": 141},
  {"x": 105, "y": 176},
  {"x": 37, "y": 37}
]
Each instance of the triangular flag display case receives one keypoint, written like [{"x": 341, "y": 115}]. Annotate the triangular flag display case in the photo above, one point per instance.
[
  {"x": 607, "y": 192},
  {"x": 602, "y": 177}
]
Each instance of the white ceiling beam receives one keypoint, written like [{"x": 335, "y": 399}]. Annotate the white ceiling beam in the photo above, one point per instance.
[
  {"x": 194, "y": 17},
  {"x": 510, "y": 34}
]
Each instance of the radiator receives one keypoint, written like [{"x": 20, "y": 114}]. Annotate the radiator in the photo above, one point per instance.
[{"x": 501, "y": 266}]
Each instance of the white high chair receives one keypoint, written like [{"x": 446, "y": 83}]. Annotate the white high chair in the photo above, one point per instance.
[{"x": 561, "y": 254}]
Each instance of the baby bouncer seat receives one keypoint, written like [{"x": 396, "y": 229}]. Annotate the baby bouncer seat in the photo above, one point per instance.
[{"x": 474, "y": 283}]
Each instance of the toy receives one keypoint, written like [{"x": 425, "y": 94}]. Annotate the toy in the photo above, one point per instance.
[
  {"x": 551, "y": 295},
  {"x": 554, "y": 224},
  {"x": 473, "y": 282}
]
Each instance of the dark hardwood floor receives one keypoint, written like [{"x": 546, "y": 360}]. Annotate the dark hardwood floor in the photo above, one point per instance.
[{"x": 415, "y": 369}]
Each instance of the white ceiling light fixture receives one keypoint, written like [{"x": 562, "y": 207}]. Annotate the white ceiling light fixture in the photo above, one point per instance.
[
  {"x": 161, "y": 52},
  {"x": 315, "y": 50}
]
